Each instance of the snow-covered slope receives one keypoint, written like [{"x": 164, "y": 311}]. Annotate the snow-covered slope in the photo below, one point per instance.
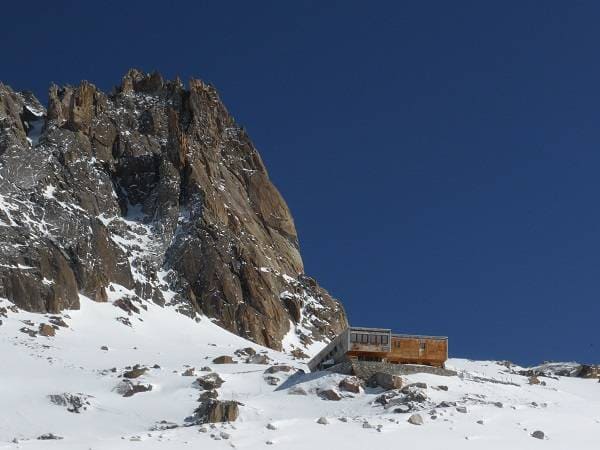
[{"x": 502, "y": 408}]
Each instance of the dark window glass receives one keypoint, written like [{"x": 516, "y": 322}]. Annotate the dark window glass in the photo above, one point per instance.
[
  {"x": 373, "y": 339},
  {"x": 364, "y": 338},
  {"x": 354, "y": 337},
  {"x": 422, "y": 346},
  {"x": 384, "y": 340}
]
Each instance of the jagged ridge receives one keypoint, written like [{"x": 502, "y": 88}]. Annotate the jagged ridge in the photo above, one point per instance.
[{"x": 153, "y": 188}]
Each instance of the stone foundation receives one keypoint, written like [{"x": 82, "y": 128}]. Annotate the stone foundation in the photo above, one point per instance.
[{"x": 365, "y": 369}]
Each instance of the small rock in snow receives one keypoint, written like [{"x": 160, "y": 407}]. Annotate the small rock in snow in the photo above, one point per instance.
[
  {"x": 225, "y": 359},
  {"x": 538, "y": 434},
  {"x": 415, "y": 419},
  {"x": 330, "y": 394},
  {"x": 48, "y": 437},
  {"x": 323, "y": 421},
  {"x": 273, "y": 381},
  {"x": 279, "y": 368}
]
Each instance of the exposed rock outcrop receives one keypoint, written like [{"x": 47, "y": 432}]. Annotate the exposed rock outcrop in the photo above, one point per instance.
[
  {"x": 351, "y": 384},
  {"x": 214, "y": 411},
  {"x": 152, "y": 190},
  {"x": 74, "y": 403},
  {"x": 210, "y": 382}
]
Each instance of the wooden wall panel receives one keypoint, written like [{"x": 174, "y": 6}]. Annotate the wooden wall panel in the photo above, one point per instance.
[{"x": 409, "y": 350}]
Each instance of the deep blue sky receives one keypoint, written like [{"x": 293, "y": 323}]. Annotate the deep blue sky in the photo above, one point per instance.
[{"x": 441, "y": 159}]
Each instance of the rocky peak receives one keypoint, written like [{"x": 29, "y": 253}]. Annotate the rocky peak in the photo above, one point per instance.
[{"x": 153, "y": 192}]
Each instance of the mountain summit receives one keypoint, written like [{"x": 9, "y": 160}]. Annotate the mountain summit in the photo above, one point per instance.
[{"x": 150, "y": 193}]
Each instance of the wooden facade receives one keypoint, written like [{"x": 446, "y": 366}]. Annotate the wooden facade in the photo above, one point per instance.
[
  {"x": 380, "y": 344},
  {"x": 428, "y": 350}
]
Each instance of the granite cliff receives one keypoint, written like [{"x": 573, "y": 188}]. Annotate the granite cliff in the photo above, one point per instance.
[{"x": 150, "y": 193}]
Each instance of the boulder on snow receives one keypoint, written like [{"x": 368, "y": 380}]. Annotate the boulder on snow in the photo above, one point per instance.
[
  {"x": 533, "y": 380},
  {"x": 47, "y": 330},
  {"x": 408, "y": 387},
  {"x": 163, "y": 425},
  {"x": 279, "y": 368},
  {"x": 329, "y": 394},
  {"x": 189, "y": 372},
  {"x": 589, "y": 371},
  {"x": 407, "y": 402},
  {"x": 415, "y": 419},
  {"x": 538, "y": 434},
  {"x": 224, "y": 359},
  {"x": 273, "y": 381},
  {"x": 461, "y": 409},
  {"x": 72, "y": 402},
  {"x": 322, "y": 420},
  {"x": 414, "y": 394},
  {"x": 258, "y": 359},
  {"x": 48, "y": 437},
  {"x": 127, "y": 389},
  {"x": 136, "y": 372},
  {"x": 350, "y": 384},
  {"x": 247, "y": 351},
  {"x": 386, "y": 380},
  {"x": 385, "y": 398},
  {"x": 215, "y": 411},
  {"x": 210, "y": 381},
  {"x": 402, "y": 408}
]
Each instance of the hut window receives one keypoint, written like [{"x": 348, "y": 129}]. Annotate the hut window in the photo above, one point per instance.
[
  {"x": 384, "y": 340},
  {"x": 422, "y": 346},
  {"x": 354, "y": 337},
  {"x": 364, "y": 338},
  {"x": 374, "y": 339}
]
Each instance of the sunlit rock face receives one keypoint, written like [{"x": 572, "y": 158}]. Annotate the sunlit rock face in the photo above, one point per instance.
[{"x": 155, "y": 192}]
